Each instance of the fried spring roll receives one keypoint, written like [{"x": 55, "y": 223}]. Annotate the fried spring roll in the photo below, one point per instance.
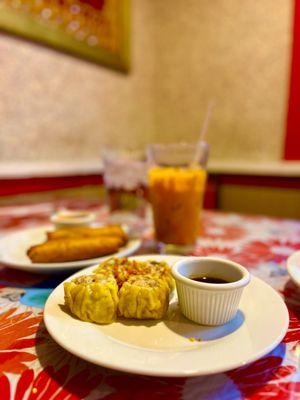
[
  {"x": 110, "y": 230},
  {"x": 73, "y": 249}
]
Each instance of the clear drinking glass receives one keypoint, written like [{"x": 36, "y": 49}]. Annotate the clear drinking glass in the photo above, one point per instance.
[
  {"x": 125, "y": 179},
  {"x": 176, "y": 184}
]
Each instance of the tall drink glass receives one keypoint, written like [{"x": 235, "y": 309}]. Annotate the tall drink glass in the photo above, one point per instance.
[{"x": 176, "y": 181}]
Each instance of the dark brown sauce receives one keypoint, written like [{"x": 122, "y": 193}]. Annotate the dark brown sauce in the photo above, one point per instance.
[{"x": 208, "y": 279}]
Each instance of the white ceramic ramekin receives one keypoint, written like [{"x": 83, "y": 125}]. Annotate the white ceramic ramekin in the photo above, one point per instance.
[
  {"x": 71, "y": 219},
  {"x": 208, "y": 303}
]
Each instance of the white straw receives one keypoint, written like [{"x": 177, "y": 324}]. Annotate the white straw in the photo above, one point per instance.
[
  {"x": 203, "y": 131},
  {"x": 206, "y": 121}
]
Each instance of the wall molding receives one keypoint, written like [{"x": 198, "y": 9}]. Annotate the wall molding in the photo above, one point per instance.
[
  {"x": 95, "y": 167},
  {"x": 29, "y": 169}
]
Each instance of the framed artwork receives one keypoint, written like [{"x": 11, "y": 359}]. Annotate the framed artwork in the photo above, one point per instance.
[{"x": 96, "y": 30}]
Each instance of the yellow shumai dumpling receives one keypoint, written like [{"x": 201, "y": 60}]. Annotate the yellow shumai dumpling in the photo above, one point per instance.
[
  {"x": 106, "y": 268},
  {"x": 123, "y": 268},
  {"x": 143, "y": 297},
  {"x": 92, "y": 298},
  {"x": 161, "y": 270}
]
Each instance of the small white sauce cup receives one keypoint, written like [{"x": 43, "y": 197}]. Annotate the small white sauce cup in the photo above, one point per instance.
[
  {"x": 71, "y": 219},
  {"x": 209, "y": 303}
]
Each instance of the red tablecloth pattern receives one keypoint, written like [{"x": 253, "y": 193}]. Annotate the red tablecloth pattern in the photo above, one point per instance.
[{"x": 33, "y": 366}]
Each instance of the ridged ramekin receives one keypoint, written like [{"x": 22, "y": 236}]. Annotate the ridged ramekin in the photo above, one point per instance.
[{"x": 209, "y": 303}]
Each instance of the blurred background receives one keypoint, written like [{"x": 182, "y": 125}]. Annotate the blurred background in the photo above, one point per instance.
[{"x": 58, "y": 112}]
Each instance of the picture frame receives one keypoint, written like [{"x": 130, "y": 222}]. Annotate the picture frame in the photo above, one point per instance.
[{"x": 95, "y": 30}]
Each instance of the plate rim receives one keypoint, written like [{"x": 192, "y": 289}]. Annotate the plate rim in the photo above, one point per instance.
[
  {"x": 62, "y": 267},
  {"x": 289, "y": 267},
  {"x": 151, "y": 372}
]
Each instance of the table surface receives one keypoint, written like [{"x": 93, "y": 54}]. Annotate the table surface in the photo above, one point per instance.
[{"x": 33, "y": 366}]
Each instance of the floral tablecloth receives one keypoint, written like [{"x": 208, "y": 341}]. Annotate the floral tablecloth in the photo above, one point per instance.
[{"x": 33, "y": 366}]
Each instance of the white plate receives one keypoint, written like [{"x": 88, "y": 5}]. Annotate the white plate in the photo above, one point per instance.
[
  {"x": 14, "y": 246},
  {"x": 163, "y": 348},
  {"x": 293, "y": 267}
]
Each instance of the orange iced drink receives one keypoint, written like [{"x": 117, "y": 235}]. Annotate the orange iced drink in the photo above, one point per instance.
[{"x": 176, "y": 195}]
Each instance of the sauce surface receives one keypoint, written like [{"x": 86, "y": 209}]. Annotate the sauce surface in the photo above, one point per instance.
[{"x": 208, "y": 279}]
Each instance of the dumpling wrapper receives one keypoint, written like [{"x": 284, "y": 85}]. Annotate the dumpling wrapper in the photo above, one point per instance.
[
  {"x": 143, "y": 297},
  {"x": 92, "y": 298}
]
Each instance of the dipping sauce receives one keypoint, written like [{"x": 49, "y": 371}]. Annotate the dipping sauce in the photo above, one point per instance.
[{"x": 208, "y": 279}]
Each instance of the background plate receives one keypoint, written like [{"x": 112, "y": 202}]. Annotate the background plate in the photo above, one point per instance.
[
  {"x": 293, "y": 267},
  {"x": 14, "y": 246}
]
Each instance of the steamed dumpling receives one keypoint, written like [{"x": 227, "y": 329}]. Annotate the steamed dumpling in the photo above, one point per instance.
[
  {"x": 123, "y": 268},
  {"x": 143, "y": 297},
  {"x": 92, "y": 298},
  {"x": 160, "y": 270}
]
